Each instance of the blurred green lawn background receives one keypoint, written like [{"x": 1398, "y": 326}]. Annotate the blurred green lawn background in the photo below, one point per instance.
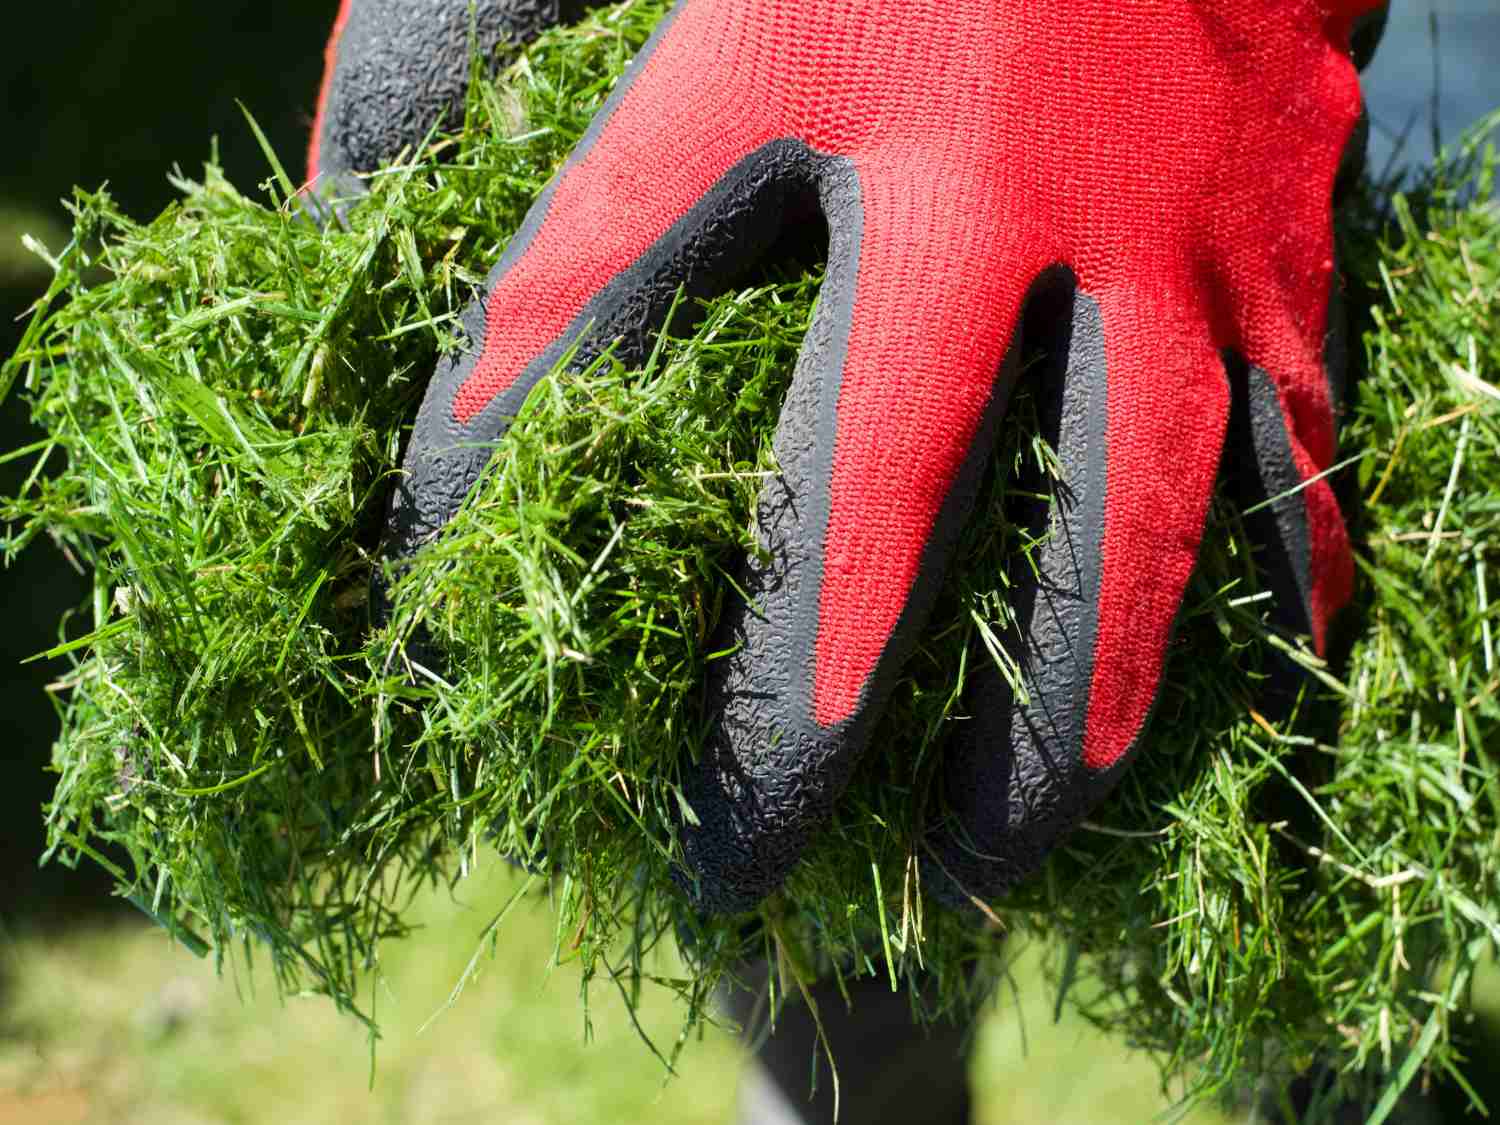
[{"x": 113, "y": 1023}]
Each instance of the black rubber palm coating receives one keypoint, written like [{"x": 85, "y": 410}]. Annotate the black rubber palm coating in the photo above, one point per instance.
[
  {"x": 1015, "y": 777},
  {"x": 403, "y": 64}
]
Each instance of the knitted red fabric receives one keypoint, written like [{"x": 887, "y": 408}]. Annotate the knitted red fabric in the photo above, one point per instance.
[{"x": 1177, "y": 155}]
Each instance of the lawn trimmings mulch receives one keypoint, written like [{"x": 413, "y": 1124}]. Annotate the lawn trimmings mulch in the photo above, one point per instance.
[{"x": 224, "y": 391}]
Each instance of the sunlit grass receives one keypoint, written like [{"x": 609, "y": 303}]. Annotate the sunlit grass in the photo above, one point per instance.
[
  {"x": 113, "y": 1023},
  {"x": 225, "y": 405}
]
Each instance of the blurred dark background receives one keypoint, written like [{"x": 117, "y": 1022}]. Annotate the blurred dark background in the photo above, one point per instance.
[{"x": 97, "y": 92}]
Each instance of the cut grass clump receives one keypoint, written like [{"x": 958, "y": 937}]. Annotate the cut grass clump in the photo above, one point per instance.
[{"x": 224, "y": 391}]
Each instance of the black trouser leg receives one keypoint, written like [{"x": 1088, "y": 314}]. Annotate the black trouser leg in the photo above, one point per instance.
[{"x": 891, "y": 1069}]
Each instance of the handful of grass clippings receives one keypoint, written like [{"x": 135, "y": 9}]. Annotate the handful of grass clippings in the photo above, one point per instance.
[{"x": 224, "y": 391}]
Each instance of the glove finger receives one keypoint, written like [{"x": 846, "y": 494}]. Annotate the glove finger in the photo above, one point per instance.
[
  {"x": 393, "y": 67},
  {"x": 886, "y": 427},
  {"x": 1286, "y": 355},
  {"x": 1134, "y": 402},
  {"x": 1288, "y": 381},
  {"x": 676, "y": 183}
]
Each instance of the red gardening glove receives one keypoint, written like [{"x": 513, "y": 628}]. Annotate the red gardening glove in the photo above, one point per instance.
[{"x": 1157, "y": 172}]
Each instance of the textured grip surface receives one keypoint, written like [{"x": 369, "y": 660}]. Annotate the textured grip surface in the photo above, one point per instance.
[{"x": 397, "y": 66}]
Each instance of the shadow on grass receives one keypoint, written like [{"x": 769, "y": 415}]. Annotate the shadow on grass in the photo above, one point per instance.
[{"x": 1480, "y": 1040}]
